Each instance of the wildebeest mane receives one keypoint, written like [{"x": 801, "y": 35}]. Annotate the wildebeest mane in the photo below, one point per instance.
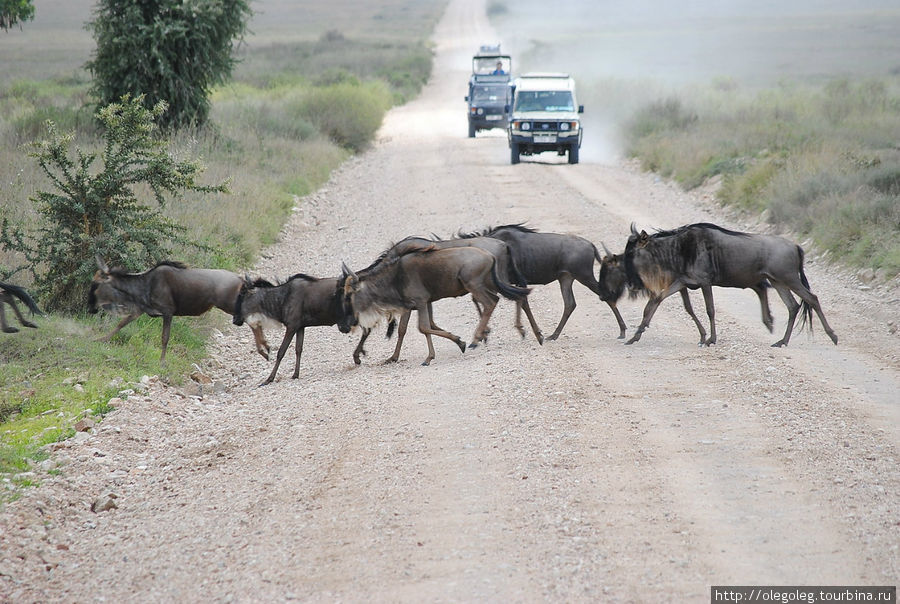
[
  {"x": 490, "y": 231},
  {"x": 122, "y": 272}
]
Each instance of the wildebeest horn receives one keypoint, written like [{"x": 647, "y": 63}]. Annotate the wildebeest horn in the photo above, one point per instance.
[
  {"x": 633, "y": 229},
  {"x": 101, "y": 264},
  {"x": 346, "y": 271},
  {"x": 606, "y": 249}
]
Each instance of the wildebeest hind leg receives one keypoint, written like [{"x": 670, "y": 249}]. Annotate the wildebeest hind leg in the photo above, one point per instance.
[
  {"x": 686, "y": 301},
  {"x": 792, "y": 307},
  {"x": 298, "y": 347},
  {"x": 710, "y": 312},
  {"x": 19, "y": 316},
  {"x": 767, "y": 320},
  {"x": 6, "y": 328},
  {"x": 534, "y": 326},
  {"x": 813, "y": 301}
]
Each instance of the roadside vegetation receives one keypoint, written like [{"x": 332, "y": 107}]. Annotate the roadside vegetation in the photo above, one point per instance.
[
  {"x": 822, "y": 160},
  {"x": 301, "y": 101}
]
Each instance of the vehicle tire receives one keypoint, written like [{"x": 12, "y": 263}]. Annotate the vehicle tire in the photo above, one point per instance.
[
  {"x": 573, "y": 153},
  {"x": 514, "y": 153},
  {"x": 471, "y": 130}
]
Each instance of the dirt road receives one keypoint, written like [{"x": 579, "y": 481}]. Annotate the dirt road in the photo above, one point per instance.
[{"x": 581, "y": 470}]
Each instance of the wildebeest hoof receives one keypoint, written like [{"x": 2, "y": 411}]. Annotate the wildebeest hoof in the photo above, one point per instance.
[
  {"x": 833, "y": 338},
  {"x": 473, "y": 345},
  {"x": 10, "y": 329},
  {"x": 462, "y": 346},
  {"x": 779, "y": 344},
  {"x": 390, "y": 360},
  {"x": 29, "y": 324},
  {"x": 540, "y": 339},
  {"x": 426, "y": 362},
  {"x": 265, "y": 383}
]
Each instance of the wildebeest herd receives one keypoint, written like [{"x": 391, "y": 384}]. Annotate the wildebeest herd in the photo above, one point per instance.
[{"x": 501, "y": 261}]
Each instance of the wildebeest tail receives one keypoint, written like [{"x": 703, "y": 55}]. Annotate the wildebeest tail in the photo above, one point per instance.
[
  {"x": 514, "y": 272},
  {"x": 511, "y": 292},
  {"x": 805, "y": 309},
  {"x": 22, "y": 295}
]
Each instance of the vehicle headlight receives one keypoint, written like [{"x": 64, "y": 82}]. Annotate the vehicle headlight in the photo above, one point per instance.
[
  {"x": 480, "y": 111},
  {"x": 563, "y": 126},
  {"x": 526, "y": 125}
]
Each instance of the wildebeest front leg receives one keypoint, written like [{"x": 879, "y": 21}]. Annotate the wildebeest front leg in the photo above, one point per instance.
[
  {"x": 619, "y": 320},
  {"x": 167, "y": 327},
  {"x": 359, "y": 347},
  {"x": 686, "y": 301},
  {"x": 298, "y": 347},
  {"x": 425, "y": 322},
  {"x": 125, "y": 321},
  {"x": 652, "y": 304},
  {"x": 565, "y": 287},
  {"x": 262, "y": 346},
  {"x": 285, "y": 343},
  {"x": 401, "y": 333}
]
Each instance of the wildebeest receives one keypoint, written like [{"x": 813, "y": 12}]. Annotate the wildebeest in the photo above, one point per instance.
[
  {"x": 507, "y": 271},
  {"x": 704, "y": 255},
  {"x": 613, "y": 282},
  {"x": 8, "y": 295},
  {"x": 546, "y": 257},
  {"x": 416, "y": 278},
  {"x": 300, "y": 302},
  {"x": 167, "y": 290}
]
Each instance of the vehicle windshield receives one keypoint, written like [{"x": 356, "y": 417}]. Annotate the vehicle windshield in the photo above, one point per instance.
[
  {"x": 484, "y": 94},
  {"x": 548, "y": 100},
  {"x": 499, "y": 65}
]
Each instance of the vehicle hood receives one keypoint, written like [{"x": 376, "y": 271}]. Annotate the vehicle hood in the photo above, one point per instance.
[{"x": 567, "y": 116}]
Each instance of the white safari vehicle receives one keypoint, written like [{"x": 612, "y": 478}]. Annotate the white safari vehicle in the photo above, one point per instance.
[{"x": 544, "y": 116}]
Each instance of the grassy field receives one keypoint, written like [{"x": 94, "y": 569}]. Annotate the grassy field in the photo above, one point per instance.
[
  {"x": 312, "y": 87},
  {"x": 794, "y": 105}
]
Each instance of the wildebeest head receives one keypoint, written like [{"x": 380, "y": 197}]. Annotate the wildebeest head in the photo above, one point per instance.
[
  {"x": 612, "y": 277},
  {"x": 636, "y": 243},
  {"x": 105, "y": 294},
  {"x": 347, "y": 287}
]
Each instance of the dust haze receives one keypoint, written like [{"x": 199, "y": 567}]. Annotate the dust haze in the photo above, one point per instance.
[{"x": 625, "y": 53}]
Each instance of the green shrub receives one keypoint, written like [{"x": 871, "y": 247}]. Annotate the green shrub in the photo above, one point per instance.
[
  {"x": 348, "y": 114},
  {"x": 99, "y": 212}
]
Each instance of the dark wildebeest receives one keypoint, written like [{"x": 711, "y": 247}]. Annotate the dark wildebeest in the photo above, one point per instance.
[
  {"x": 546, "y": 257},
  {"x": 8, "y": 295},
  {"x": 300, "y": 302},
  {"x": 705, "y": 255},
  {"x": 613, "y": 281},
  {"x": 416, "y": 278},
  {"x": 507, "y": 270},
  {"x": 167, "y": 290}
]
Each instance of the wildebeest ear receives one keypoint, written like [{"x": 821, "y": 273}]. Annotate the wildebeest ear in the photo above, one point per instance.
[
  {"x": 643, "y": 238},
  {"x": 101, "y": 264}
]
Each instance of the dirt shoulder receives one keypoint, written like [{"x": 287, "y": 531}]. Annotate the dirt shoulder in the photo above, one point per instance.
[{"x": 581, "y": 470}]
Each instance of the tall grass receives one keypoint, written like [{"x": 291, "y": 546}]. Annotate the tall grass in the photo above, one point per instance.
[{"x": 824, "y": 161}]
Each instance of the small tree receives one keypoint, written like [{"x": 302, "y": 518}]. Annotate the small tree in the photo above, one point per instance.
[
  {"x": 167, "y": 50},
  {"x": 98, "y": 212},
  {"x": 15, "y": 11}
]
